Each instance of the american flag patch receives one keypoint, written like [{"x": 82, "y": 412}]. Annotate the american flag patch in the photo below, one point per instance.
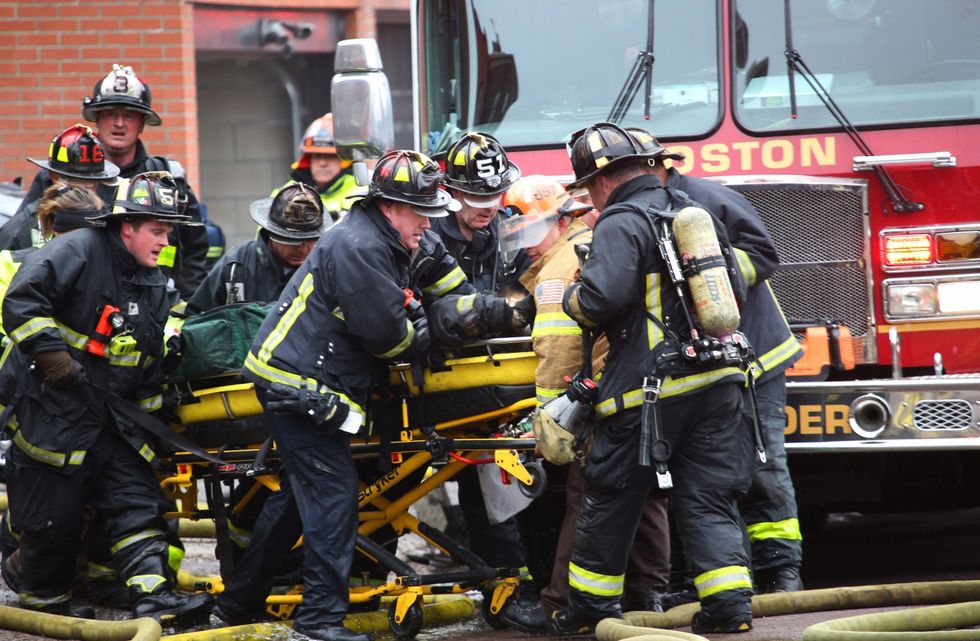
[{"x": 550, "y": 291}]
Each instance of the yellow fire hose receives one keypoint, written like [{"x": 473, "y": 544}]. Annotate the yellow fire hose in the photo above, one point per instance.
[
  {"x": 884, "y": 626},
  {"x": 441, "y": 613},
  {"x": 61, "y": 627}
]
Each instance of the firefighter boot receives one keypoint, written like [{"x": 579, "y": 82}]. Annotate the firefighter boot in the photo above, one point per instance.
[
  {"x": 11, "y": 569},
  {"x": 525, "y": 617},
  {"x": 329, "y": 632},
  {"x": 564, "y": 622},
  {"x": 152, "y": 595},
  {"x": 687, "y": 594},
  {"x": 781, "y": 579},
  {"x": 169, "y": 608},
  {"x": 645, "y": 599},
  {"x": 703, "y": 623},
  {"x": 66, "y": 610}
]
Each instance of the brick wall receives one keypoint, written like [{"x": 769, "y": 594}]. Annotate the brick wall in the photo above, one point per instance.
[{"x": 56, "y": 50}]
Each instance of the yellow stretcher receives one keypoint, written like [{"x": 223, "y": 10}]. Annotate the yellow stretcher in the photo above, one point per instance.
[{"x": 446, "y": 445}]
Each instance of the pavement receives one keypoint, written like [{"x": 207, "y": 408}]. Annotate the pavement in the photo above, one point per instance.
[{"x": 849, "y": 550}]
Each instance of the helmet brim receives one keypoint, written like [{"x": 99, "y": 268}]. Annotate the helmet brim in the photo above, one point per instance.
[
  {"x": 438, "y": 212},
  {"x": 439, "y": 201},
  {"x": 579, "y": 182},
  {"x": 109, "y": 171},
  {"x": 260, "y": 211},
  {"x": 174, "y": 219},
  {"x": 89, "y": 111}
]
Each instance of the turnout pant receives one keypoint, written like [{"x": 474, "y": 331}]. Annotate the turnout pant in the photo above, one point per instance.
[
  {"x": 318, "y": 499},
  {"x": 46, "y": 507},
  {"x": 769, "y": 508},
  {"x": 711, "y": 467},
  {"x": 649, "y": 557}
]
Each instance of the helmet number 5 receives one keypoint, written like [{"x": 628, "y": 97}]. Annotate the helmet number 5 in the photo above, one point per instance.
[
  {"x": 166, "y": 196},
  {"x": 485, "y": 166}
]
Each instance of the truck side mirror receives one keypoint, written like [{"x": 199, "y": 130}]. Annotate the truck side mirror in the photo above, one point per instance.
[{"x": 361, "y": 102}]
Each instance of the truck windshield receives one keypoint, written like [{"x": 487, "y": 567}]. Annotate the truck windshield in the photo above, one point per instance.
[
  {"x": 531, "y": 73},
  {"x": 884, "y": 62}
]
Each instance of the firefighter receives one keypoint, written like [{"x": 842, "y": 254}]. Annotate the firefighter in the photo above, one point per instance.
[
  {"x": 61, "y": 209},
  {"x": 88, "y": 309},
  {"x": 478, "y": 173},
  {"x": 550, "y": 228},
  {"x": 75, "y": 157},
  {"x": 343, "y": 316},
  {"x": 120, "y": 108},
  {"x": 663, "y": 422},
  {"x": 320, "y": 167},
  {"x": 257, "y": 271},
  {"x": 290, "y": 224},
  {"x": 769, "y": 509}
]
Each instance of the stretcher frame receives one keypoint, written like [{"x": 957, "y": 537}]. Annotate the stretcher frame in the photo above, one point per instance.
[{"x": 449, "y": 443}]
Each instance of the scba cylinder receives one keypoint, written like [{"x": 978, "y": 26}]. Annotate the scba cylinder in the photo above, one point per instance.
[{"x": 711, "y": 290}]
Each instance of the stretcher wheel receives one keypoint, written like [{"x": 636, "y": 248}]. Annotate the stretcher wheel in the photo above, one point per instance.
[
  {"x": 411, "y": 625},
  {"x": 493, "y": 620},
  {"x": 539, "y": 480}
]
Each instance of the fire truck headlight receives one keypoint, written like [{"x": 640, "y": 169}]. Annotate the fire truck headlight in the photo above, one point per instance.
[
  {"x": 961, "y": 297},
  {"x": 918, "y": 299}
]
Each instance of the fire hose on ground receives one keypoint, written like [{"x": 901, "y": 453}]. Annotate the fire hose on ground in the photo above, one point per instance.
[
  {"x": 62, "y": 627},
  {"x": 960, "y": 599}
]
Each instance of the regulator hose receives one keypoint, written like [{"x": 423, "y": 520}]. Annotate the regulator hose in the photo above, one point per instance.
[{"x": 884, "y": 626}]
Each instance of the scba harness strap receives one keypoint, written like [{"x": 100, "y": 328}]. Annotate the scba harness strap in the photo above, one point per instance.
[{"x": 674, "y": 357}]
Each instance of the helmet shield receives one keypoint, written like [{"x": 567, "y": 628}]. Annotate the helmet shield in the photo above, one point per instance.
[
  {"x": 477, "y": 164},
  {"x": 294, "y": 213},
  {"x": 77, "y": 153},
  {"x": 120, "y": 88},
  {"x": 413, "y": 178},
  {"x": 153, "y": 195},
  {"x": 518, "y": 232}
]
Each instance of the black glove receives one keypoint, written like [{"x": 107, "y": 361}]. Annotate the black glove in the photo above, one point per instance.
[
  {"x": 327, "y": 410},
  {"x": 61, "y": 371},
  {"x": 525, "y": 310},
  {"x": 496, "y": 315}
]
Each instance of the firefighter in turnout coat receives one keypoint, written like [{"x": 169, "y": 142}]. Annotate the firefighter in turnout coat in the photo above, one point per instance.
[
  {"x": 686, "y": 419},
  {"x": 341, "y": 319},
  {"x": 88, "y": 309}
]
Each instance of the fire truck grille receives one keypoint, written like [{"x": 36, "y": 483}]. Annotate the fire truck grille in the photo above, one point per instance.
[
  {"x": 942, "y": 414},
  {"x": 819, "y": 228}
]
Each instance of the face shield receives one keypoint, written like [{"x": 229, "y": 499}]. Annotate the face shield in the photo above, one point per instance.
[{"x": 518, "y": 232}]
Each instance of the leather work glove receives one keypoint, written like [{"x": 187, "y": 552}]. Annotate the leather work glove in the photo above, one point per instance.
[
  {"x": 61, "y": 371},
  {"x": 524, "y": 311},
  {"x": 326, "y": 410},
  {"x": 496, "y": 315}
]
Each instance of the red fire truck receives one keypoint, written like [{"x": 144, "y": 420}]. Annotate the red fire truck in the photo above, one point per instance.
[{"x": 853, "y": 126}]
